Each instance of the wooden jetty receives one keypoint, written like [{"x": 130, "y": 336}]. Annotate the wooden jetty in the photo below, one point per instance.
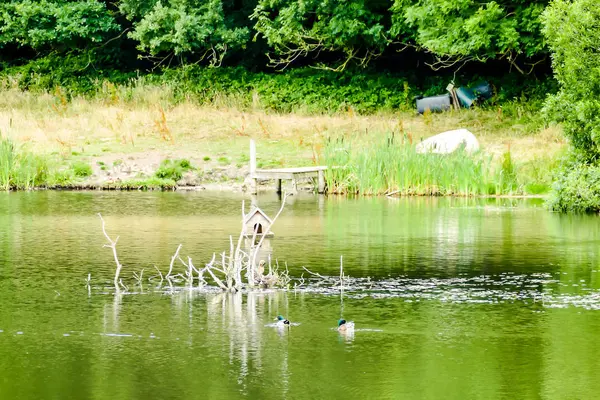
[{"x": 279, "y": 174}]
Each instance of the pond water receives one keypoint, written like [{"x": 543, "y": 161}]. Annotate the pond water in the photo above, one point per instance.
[{"x": 452, "y": 299}]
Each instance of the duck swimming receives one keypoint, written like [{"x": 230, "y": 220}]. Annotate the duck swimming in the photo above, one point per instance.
[
  {"x": 345, "y": 326},
  {"x": 281, "y": 321}
]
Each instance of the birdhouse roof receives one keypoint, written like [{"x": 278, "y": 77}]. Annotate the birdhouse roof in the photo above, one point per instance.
[{"x": 254, "y": 212}]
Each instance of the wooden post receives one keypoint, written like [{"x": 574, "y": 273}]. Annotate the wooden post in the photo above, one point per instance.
[
  {"x": 321, "y": 188},
  {"x": 278, "y": 186},
  {"x": 254, "y": 184}
]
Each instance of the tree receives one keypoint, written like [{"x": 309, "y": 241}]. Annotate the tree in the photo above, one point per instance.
[
  {"x": 463, "y": 30},
  {"x": 54, "y": 24},
  {"x": 572, "y": 29},
  {"x": 295, "y": 29},
  {"x": 573, "y": 32},
  {"x": 184, "y": 27}
]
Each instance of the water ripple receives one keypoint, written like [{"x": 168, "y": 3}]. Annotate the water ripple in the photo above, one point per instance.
[{"x": 538, "y": 288}]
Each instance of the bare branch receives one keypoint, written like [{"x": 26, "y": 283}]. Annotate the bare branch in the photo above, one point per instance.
[
  {"x": 449, "y": 62},
  {"x": 161, "y": 276},
  {"x": 215, "y": 278},
  {"x": 315, "y": 274},
  {"x": 172, "y": 261},
  {"x": 139, "y": 277},
  {"x": 113, "y": 246}
]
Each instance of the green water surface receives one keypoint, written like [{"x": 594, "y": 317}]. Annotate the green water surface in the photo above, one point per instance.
[{"x": 470, "y": 299}]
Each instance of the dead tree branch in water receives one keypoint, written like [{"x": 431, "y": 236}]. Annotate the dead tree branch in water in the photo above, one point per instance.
[
  {"x": 139, "y": 277},
  {"x": 113, "y": 246},
  {"x": 226, "y": 272},
  {"x": 209, "y": 267},
  {"x": 175, "y": 256}
]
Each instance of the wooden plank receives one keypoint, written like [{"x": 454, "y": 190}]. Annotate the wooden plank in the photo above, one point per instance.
[
  {"x": 295, "y": 170},
  {"x": 285, "y": 175},
  {"x": 273, "y": 175}
]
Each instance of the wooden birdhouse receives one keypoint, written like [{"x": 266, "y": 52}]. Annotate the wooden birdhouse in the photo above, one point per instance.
[{"x": 256, "y": 225}]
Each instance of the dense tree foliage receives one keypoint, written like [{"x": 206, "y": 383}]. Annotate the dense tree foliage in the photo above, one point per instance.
[
  {"x": 183, "y": 27},
  {"x": 54, "y": 24},
  {"x": 573, "y": 32},
  {"x": 572, "y": 28},
  {"x": 326, "y": 32},
  {"x": 472, "y": 29},
  {"x": 298, "y": 28}
]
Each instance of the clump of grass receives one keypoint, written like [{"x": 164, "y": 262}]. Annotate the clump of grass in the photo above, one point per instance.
[
  {"x": 152, "y": 183},
  {"x": 508, "y": 174},
  {"x": 384, "y": 166},
  {"x": 61, "y": 178},
  {"x": 185, "y": 164},
  {"x": 81, "y": 169},
  {"x": 224, "y": 160},
  {"x": 7, "y": 162},
  {"x": 206, "y": 158},
  {"x": 539, "y": 174},
  {"x": 173, "y": 169},
  {"x": 20, "y": 169}
]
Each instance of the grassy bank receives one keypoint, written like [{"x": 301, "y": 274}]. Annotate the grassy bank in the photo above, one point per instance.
[
  {"x": 124, "y": 131},
  {"x": 20, "y": 169}
]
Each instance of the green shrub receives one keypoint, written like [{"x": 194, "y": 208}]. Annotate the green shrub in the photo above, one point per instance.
[
  {"x": 81, "y": 169},
  {"x": 62, "y": 178},
  {"x": 577, "y": 188},
  {"x": 185, "y": 164},
  {"x": 575, "y": 60},
  {"x": 173, "y": 169}
]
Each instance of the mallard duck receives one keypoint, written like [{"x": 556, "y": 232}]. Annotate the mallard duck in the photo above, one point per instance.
[
  {"x": 281, "y": 321},
  {"x": 345, "y": 326}
]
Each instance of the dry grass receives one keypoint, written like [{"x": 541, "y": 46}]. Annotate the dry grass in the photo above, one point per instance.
[{"x": 149, "y": 126}]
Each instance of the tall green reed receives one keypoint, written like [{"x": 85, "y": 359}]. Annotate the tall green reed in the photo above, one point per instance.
[
  {"x": 20, "y": 169},
  {"x": 7, "y": 160},
  {"x": 370, "y": 167}
]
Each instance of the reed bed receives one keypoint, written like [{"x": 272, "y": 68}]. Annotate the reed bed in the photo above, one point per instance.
[
  {"x": 20, "y": 169},
  {"x": 389, "y": 166}
]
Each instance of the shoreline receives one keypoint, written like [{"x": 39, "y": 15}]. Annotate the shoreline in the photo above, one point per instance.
[
  {"x": 97, "y": 146},
  {"x": 236, "y": 187}
]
